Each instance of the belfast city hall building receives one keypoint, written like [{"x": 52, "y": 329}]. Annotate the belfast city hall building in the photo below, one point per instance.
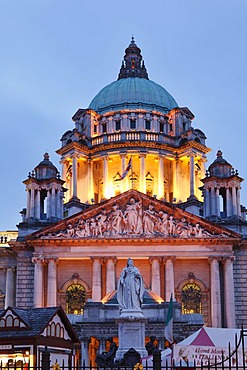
[{"x": 134, "y": 183}]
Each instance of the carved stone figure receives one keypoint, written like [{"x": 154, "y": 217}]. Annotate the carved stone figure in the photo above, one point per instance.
[
  {"x": 101, "y": 222},
  {"x": 132, "y": 220},
  {"x": 116, "y": 220},
  {"x": 133, "y": 217},
  {"x": 130, "y": 288},
  {"x": 149, "y": 220}
]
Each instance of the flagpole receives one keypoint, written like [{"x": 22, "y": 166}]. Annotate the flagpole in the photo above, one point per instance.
[{"x": 131, "y": 172}]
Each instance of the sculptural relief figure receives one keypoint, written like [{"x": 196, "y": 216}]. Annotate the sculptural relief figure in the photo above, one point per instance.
[
  {"x": 101, "y": 222},
  {"x": 130, "y": 288},
  {"x": 116, "y": 220},
  {"x": 133, "y": 217},
  {"x": 162, "y": 223},
  {"x": 149, "y": 220}
]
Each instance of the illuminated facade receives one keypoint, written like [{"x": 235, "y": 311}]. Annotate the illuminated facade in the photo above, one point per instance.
[{"x": 134, "y": 185}]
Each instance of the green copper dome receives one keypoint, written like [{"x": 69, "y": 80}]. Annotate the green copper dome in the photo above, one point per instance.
[
  {"x": 133, "y": 93},
  {"x": 133, "y": 89}
]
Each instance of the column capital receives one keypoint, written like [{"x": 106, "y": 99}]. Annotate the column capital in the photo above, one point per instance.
[
  {"x": 155, "y": 258},
  {"x": 113, "y": 259},
  {"x": 228, "y": 259},
  {"x": 142, "y": 155},
  {"x": 9, "y": 268},
  {"x": 100, "y": 259},
  {"x": 54, "y": 259},
  {"x": 214, "y": 258},
  {"x": 39, "y": 259},
  {"x": 169, "y": 258}
]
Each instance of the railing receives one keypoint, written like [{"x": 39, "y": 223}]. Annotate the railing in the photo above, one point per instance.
[
  {"x": 233, "y": 359},
  {"x": 132, "y": 136}
]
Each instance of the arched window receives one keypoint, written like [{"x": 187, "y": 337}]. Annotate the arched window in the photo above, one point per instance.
[
  {"x": 191, "y": 299},
  {"x": 75, "y": 299}
]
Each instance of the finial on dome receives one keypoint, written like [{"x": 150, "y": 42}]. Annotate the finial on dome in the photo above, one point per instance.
[
  {"x": 46, "y": 156},
  {"x": 132, "y": 65},
  {"x": 219, "y": 154}
]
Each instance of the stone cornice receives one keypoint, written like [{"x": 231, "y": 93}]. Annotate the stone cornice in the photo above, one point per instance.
[{"x": 135, "y": 144}]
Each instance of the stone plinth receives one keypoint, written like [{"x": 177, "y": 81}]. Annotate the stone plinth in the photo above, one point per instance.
[{"x": 131, "y": 333}]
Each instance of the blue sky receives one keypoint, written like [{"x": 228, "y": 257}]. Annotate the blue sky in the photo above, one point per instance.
[{"x": 56, "y": 55}]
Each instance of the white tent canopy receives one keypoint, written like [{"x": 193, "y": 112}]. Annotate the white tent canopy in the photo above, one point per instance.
[{"x": 208, "y": 345}]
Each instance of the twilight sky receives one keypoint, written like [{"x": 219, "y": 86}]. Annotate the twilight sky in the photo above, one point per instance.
[{"x": 57, "y": 54}]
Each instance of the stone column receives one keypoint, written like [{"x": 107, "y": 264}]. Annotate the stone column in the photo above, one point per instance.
[
  {"x": 37, "y": 205},
  {"x": 142, "y": 185},
  {"x": 48, "y": 210},
  {"x": 229, "y": 292},
  {"x": 105, "y": 176},
  {"x": 52, "y": 282},
  {"x": 217, "y": 202},
  {"x": 10, "y": 287},
  {"x": 90, "y": 180},
  {"x": 28, "y": 202},
  {"x": 53, "y": 202},
  {"x": 38, "y": 294},
  {"x": 206, "y": 203},
  {"x": 74, "y": 177},
  {"x": 216, "y": 320},
  {"x": 228, "y": 203},
  {"x": 160, "y": 192},
  {"x": 110, "y": 274},
  {"x": 155, "y": 280},
  {"x": 192, "y": 176},
  {"x": 96, "y": 288},
  {"x": 59, "y": 208},
  {"x": 32, "y": 213},
  {"x": 123, "y": 167},
  {"x": 234, "y": 202},
  {"x": 169, "y": 277},
  {"x": 238, "y": 203},
  {"x": 175, "y": 180}
]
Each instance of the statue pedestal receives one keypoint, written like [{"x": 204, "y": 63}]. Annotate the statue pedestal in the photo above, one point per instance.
[{"x": 131, "y": 333}]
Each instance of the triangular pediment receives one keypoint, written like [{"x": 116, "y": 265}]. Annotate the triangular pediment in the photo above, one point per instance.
[
  {"x": 56, "y": 328},
  {"x": 9, "y": 320},
  {"x": 133, "y": 214}
]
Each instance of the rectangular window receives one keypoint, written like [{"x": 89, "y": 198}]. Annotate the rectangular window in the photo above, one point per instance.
[
  {"x": 118, "y": 125},
  {"x": 133, "y": 124},
  {"x": 148, "y": 124},
  {"x": 95, "y": 129},
  {"x": 162, "y": 127},
  {"x": 103, "y": 127}
]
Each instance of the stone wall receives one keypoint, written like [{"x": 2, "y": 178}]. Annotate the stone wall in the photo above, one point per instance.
[
  {"x": 240, "y": 283},
  {"x": 24, "y": 279}
]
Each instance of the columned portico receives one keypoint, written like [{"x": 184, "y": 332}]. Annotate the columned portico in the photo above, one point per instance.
[
  {"x": 216, "y": 320},
  {"x": 38, "y": 294},
  {"x": 96, "y": 288},
  {"x": 169, "y": 277}
]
